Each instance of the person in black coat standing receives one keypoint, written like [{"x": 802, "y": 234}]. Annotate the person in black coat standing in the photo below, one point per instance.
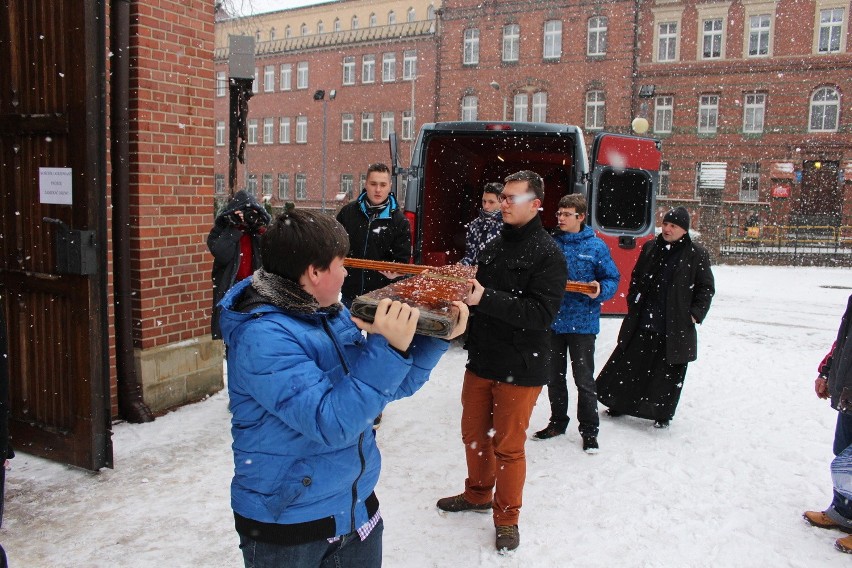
[
  {"x": 6, "y": 452},
  {"x": 234, "y": 242},
  {"x": 670, "y": 292}
]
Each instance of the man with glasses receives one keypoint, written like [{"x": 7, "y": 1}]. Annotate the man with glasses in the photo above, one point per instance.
[
  {"x": 578, "y": 322},
  {"x": 519, "y": 284}
]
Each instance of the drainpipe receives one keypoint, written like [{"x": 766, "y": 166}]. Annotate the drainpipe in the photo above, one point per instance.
[{"x": 131, "y": 405}]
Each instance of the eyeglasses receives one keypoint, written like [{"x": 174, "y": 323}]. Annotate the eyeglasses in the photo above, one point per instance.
[
  {"x": 560, "y": 214},
  {"x": 513, "y": 199}
]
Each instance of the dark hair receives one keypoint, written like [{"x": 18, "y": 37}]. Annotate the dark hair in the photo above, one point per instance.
[
  {"x": 378, "y": 167},
  {"x": 493, "y": 187},
  {"x": 300, "y": 238},
  {"x": 575, "y": 200},
  {"x": 534, "y": 181}
]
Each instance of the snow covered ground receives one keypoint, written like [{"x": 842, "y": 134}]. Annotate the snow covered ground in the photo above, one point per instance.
[{"x": 725, "y": 486}]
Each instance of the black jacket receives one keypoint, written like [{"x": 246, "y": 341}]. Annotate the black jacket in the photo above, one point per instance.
[
  {"x": 224, "y": 243},
  {"x": 838, "y": 366},
  {"x": 524, "y": 274},
  {"x": 688, "y": 295},
  {"x": 386, "y": 237}
]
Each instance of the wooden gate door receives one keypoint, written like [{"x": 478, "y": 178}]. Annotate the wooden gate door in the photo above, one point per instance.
[
  {"x": 822, "y": 195},
  {"x": 52, "y": 165}
]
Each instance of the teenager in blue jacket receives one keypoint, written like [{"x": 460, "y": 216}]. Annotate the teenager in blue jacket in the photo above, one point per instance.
[
  {"x": 578, "y": 322},
  {"x": 304, "y": 386}
]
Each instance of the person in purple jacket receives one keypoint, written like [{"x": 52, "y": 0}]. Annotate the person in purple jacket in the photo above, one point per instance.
[{"x": 578, "y": 322}]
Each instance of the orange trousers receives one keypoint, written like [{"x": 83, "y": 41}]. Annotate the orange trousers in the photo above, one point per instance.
[{"x": 495, "y": 417}]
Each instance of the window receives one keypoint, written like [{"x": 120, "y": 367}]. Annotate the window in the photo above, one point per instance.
[
  {"x": 354, "y": 24},
  {"x": 347, "y": 182},
  {"x": 252, "y": 131},
  {"x": 302, "y": 75},
  {"x": 373, "y": 20},
  {"x": 268, "y": 78},
  {"x": 539, "y": 107},
  {"x": 387, "y": 125},
  {"x": 251, "y": 184},
  {"x": 825, "y": 110},
  {"x": 520, "y": 105},
  {"x": 286, "y": 78},
  {"x": 283, "y": 187},
  {"x": 667, "y": 41},
  {"x": 388, "y": 67},
  {"x": 552, "y": 39},
  {"x": 367, "y": 126},
  {"x": 220, "y": 133},
  {"x": 710, "y": 175},
  {"x": 430, "y": 12},
  {"x": 758, "y": 35},
  {"x": 368, "y": 69},
  {"x": 407, "y": 125},
  {"x": 754, "y": 111},
  {"x": 708, "y": 114},
  {"x": 284, "y": 130},
  {"x": 303, "y": 30},
  {"x": 831, "y": 32},
  {"x": 391, "y": 18},
  {"x": 266, "y": 184},
  {"x": 749, "y": 186},
  {"x": 470, "y": 107},
  {"x": 511, "y": 43},
  {"x": 471, "y": 47},
  {"x": 301, "y": 130},
  {"x": 663, "y": 114},
  {"x": 409, "y": 64},
  {"x": 268, "y": 127},
  {"x": 337, "y": 25},
  {"x": 711, "y": 39},
  {"x": 288, "y": 32},
  {"x": 272, "y": 34},
  {"x": 320, "y": 27},
  {"x": 221, "y": 84},
  {"x": 254, "y": 84},
  {"x": 596, "y": 43},
  {"x": 595, "y": 110},
  {"x": 301, "y": 186},
  {"x": 349, "y": 70},
  {"x": 347, "y": 128},
  {"x": 411, "y": 16},
  {"x": 219, "y": 183},
  {"x": 663, "y": 183}
]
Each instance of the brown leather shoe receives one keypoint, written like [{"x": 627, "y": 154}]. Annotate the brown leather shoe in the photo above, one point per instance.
[
  {"x": 508, "y": 538},
  {"x": 457, "y": 504},
  {"x": 844, "y": 544},
  {"x": 821, "y": 520}
]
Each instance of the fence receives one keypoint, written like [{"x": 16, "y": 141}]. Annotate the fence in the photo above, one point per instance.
[{"x": 821, "y": 243}]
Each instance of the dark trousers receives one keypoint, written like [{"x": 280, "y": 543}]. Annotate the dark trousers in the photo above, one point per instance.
[
  {"x": 581, "y": 348},
  {"x": 842, "y": 443}
]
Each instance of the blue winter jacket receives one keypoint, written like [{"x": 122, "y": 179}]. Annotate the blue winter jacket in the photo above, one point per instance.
[
  {"x": 588, "y": 259},
  {"x": 304, "y": 390}
]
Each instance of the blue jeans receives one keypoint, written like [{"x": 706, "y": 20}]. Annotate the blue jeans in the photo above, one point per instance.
[
  {"x": 348, "y": 552},
  {"x": 840, "y": 468},
  {"x": 581, "y": 348}
]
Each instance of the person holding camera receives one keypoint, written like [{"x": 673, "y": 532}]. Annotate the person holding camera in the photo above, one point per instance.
[{"x": 234, "y": 242}]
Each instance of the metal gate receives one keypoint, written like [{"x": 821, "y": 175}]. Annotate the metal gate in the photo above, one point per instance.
[{"x": 53, "y": 223}]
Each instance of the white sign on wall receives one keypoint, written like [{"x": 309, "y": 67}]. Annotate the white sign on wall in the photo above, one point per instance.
[{"x": 54, "y": 186}]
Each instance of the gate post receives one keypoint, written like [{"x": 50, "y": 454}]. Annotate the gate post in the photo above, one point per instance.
[{"x": 712, "y": 222}]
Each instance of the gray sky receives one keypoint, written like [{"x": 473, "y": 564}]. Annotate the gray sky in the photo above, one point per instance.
[{"x": 246, "y": 7}]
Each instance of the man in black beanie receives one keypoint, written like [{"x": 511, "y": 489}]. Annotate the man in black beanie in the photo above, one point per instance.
[{"x": 670, "y": 291}]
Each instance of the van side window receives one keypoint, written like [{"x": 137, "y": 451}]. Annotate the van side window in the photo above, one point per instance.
[{"x": 623, "y": 199}]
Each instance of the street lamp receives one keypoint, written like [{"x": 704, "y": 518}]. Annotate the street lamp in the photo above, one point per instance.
[
  {"x": 496, "y": 86},
  {"x": 319, "y": 95}
]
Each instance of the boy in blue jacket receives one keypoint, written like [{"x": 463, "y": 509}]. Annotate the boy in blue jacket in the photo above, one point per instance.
[
  {"x": 305, "y": 385},
  {"x": 578, "y": 322}
]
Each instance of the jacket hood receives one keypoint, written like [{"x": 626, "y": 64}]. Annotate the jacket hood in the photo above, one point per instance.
[
  {"x": 242, "y": 200},
  {"x": 583, "y": 234}
]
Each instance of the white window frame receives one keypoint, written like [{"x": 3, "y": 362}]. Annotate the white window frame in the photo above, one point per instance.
[
  {"x": 552, "y": 40},
  {"x": 752, "y": 9},
  {"x": 409, "y": 64},
  {"x": 338, "y": 25},
  {"x": 595, "y": 116},
  {"x": 283, "y": 186},
  {"x": 268, "y": 78},
  {"x": 320, "y": 27},
  {"x": 255, "y": 84},
  {"x": 353, "y": 23},
  {"x": 387, "y": 125},
  {"x": 301, "y": 130},
  {"x": 347, "y": 127},
  {"x": 411, "y": 15},
  {"x": 391, "y": 18},
  {"x": 407, "y": 125},
  {"x": 268, "y": 129},
  {"x": 821, "y": 107},
  {"x": 708, "y": 114},
  {"x": 302, "y": 75},
  {"x": 284, "y": 130},
  {"x": 374, "y": 20},
  {"x": 668, "y": 42},
  {"x": 219, "y": 183},
  {"x": 286, "y": 76},
  {"x": 368, "y": 69},
  {"x": 221, "y": 84},
  {"x": 520, "y": 107},
  {"x": 251, "y": 185},
  {"x": 347, "y": 184},
  {"x": 539, "y": 106},
  {"x": 663, "y": 114},
  {"x": 713, "y": 36},
  {"x": 220, "y": 132},
  {"x": 754, "y": 112},
  {"x": 349, "y": 70},
  {"x": 749, "y": 182},
  {"x": 368, "y": 127},
  {"x": 252, "y": 131},
  {"x": 597, "y": 30},
  {"x": 388, "y": 67},
  {"x": 469, "y": 107},
  {"x": 664, "y": 183},
  {"x": 301, "y": 186},
  {"x": 511, "y": 43},
  {"x": 829, "y": 8},
  {"x": 470, "y": 53},
  {"x": 303, "y": 30},
  {"x": 266, "y": 184}
]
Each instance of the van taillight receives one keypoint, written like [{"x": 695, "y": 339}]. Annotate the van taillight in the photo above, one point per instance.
[
  {"x": 497, "y": 127},
  {"x": 412, "y": 225}
]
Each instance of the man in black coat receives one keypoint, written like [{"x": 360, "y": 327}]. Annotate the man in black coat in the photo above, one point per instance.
[
  {"x": 6, "y": 452},
  {"x": 234, "y": 242},
  {"x": 520, "y": 281},
  {"x": 835, "y": 382},
  {"x": 378, "y": 230},
  {"x": 670, "y": 292}
]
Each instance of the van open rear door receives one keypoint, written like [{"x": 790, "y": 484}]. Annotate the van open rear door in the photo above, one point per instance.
[{"x": 624, "y": 178}]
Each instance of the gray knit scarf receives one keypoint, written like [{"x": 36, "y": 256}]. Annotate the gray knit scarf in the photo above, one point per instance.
[{"x": 287, "y": 295}]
